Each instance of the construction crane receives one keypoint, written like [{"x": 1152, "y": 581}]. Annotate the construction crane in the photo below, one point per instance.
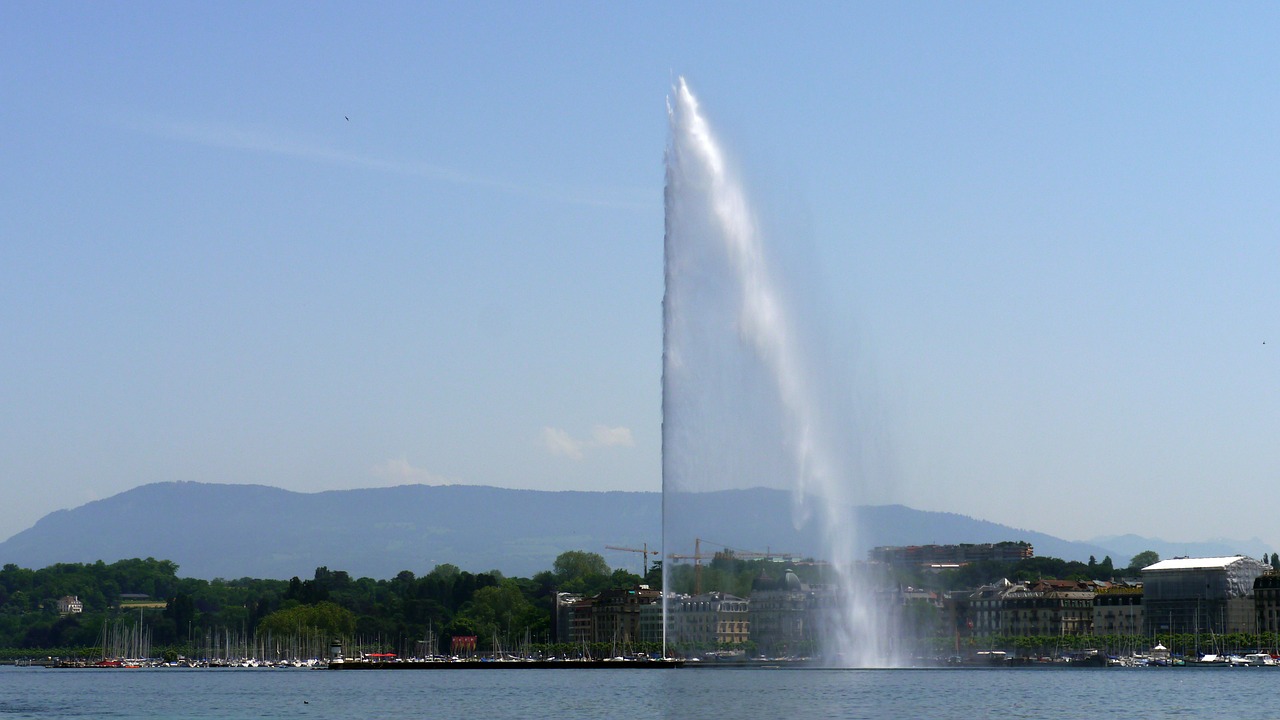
[
  {"x": 645, "y": 552},
  {"x": 697, "y": 557}
]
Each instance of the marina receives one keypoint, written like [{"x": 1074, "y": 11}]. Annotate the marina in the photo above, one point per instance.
[{"x": 610, "y": 664}]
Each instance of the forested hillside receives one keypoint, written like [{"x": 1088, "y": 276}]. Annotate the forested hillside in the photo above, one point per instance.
[{"x": 187, "y": 615}]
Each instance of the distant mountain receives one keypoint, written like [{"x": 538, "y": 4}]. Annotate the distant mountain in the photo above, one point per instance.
[
  {"x": 1125, "y": 547},
  {"x": 233, "y": 531}
]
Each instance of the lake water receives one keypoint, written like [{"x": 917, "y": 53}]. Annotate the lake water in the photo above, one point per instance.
[{"x": 1239, "y": 693}]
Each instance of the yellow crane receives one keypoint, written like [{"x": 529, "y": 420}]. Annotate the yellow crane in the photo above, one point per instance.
[
  {"x": 697, "y": 557},
  {"x": 645, "y": 552}
]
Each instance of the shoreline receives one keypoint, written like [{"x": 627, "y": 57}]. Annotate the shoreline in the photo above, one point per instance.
[{"x": 509, "y": 665}]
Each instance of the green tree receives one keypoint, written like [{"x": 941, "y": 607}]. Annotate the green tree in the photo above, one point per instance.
[
  {"x": 445, "y": 573},
  {"x": 624, "y": 580},
  {"x": 654, "y": 578},
  {"x": 499, "y": 610},
  {"x": 1141, "y": 560},
  {"x": 579, "y": 571},
  {"x": 324, "y": 617},
  {"x": 181, "y": 609}
]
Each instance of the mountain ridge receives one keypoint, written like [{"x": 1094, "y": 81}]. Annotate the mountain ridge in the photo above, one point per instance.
[{"x": 216, "y": 530}]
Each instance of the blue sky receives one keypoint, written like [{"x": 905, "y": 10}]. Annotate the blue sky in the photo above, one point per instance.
[{"x": 320, "y": 245}]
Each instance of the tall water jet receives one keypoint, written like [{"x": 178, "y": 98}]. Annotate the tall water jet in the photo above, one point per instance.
[{"x": 744, "y": 406}]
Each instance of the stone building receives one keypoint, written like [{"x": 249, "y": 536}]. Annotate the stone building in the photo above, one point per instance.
[
  {"x": 1118, "y": 610},
  {"x": 785, "y": 615},
  {"x": 981, "y": 613},
  {"x": 615, "y": 614},
  {"x": 1266, "y": 602},
  {"x": 651, "y": 622},
  {"x": 562, "y": 617},
  {"x": 950, "y": 555},
  {"x": 581, "y": 616},
  {"x": 1047, "y": 607},
  {"x": 1044, "y": 607},
  {"x": 710, "y": 621}
]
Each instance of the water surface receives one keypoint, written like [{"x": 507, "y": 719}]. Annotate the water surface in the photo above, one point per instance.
[{"x": 1239, "y": 693}]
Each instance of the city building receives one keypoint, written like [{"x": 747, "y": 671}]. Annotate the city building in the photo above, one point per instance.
[
  {"x": 615, "y": 614},
  {"x": 1118, "y": 610},
  {"x": 918, "y": 613},
  {"x": 1041, "y": 608},
  {"x": 950, "y": 555},
  {"x": 785, "y": 615},
  {"x": 980, "y": 613},
  {"x": 710, "y": 621},
  {"x": 1201, "y": 595},
  {"x": 1047, "y": 608},
  {"x": 562, "y": 617},
  {"x": 651, "y": 622},
  {"x": 582, "y": 622},
  {"x": 1266, "y": 602}
]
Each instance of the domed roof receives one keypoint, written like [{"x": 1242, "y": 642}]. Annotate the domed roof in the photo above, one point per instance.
[{"x": 791, "y": 581}]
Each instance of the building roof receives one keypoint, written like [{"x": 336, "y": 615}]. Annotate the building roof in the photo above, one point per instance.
[{"x": 1194, "y": 563}]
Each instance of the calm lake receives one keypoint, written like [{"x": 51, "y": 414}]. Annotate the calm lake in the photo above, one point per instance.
[{"x": 1238, "y": 693}]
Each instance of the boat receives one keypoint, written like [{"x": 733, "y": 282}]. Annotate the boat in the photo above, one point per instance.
[
  {"x": 1087, "y": 658},
  {"x": 1260, "y": 659},
  {"x": 1257, "y": 660}
]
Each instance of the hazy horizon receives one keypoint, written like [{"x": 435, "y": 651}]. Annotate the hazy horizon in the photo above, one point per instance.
[{"x": 1117, "y": 540}]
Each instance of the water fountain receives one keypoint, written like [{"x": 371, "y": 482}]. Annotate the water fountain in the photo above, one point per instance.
[{"x": 745, "y": 405}]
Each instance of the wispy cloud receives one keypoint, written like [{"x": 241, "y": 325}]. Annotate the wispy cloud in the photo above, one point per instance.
[
  {"x": 399, "y": 470},
  {"x": 560, "y": 442},
  {"x": 319, "y": 150},
  {"x": 612, "y": 436}
]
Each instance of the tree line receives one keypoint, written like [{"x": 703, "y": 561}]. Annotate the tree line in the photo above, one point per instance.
[
  {"x": 186, "y": 615},
  {"x": 189, "y": 615}
]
